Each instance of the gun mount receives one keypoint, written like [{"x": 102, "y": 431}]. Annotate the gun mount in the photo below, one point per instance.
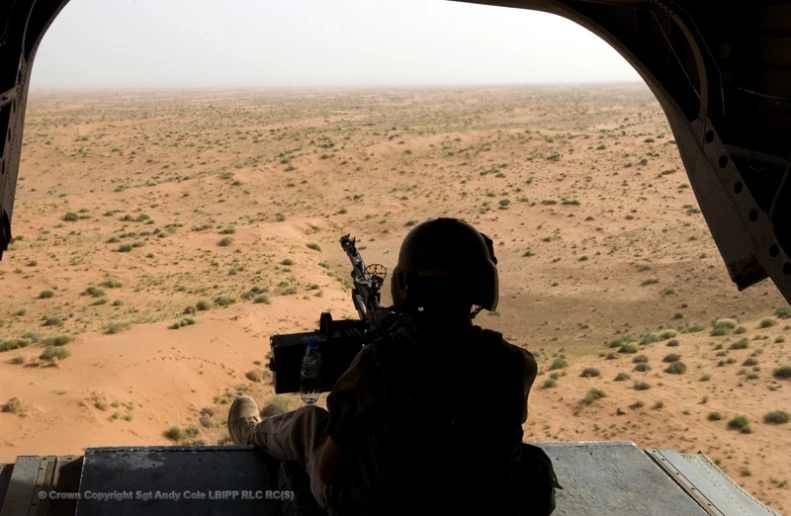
[{"x": 339, "y": 341}]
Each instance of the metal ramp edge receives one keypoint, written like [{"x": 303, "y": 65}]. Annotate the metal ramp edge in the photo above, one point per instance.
[
  {"x": 598, "y": 478},
  {"x": 704, "y": 481}
]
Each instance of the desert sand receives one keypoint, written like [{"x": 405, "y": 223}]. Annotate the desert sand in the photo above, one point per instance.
[{"x": 162, "y": 237}]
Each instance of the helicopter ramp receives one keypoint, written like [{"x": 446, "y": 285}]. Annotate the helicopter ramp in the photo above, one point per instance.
[{"x": 613, "y": 478}]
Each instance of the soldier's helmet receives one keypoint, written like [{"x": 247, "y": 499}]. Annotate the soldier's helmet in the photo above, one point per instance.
[{"x": 445, "y": 261}]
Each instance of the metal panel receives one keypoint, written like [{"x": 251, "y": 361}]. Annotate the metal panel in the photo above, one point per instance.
[
  {"x": 22, "y": 486},
  {"x": 616, "y": 479},
  {"x": 704, "y": 481},
  {"x": 134, "y": 476}
]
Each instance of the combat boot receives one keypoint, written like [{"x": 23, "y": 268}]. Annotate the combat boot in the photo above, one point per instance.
[{"x": 242, "y": 420}]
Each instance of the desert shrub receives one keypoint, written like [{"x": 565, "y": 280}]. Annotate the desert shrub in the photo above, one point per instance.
[
  {"x": 750, "y": 362},
  {"x": 784, "y": 312},
  {"x": 225, "y": 242},
  {"x": 676, "y": 368},
  {"x": 314, "y": 246},
  {"x": 13, "y": 405},
  {"x": 673, "y": 357},
  {"x": 628, "y": 348},
  {"x": 714, "y": 416},
  {"x": 254, "y": 375},
  {"x": 783, "y": 372},
  {"x": 12, "y": 344},
  {"x": 640, "y": 359},
  {"x": 667, "y": 334},
  {"x": 276, "y": 406},
  {"x": 642, "y": 367},
  {"x": 224, "y": 301},
  {"x": 641, "y": 386},
  {"x": 186, "y": 321},
  {"x": 672, "y": 343},
  {"x": 287, "y": 262},
  {"x": 31, "y": 336},
  {"x": 778, "y": 417},
  {"x": 57, "y": 340},
  {"x": 738, "y": 423},
  {"x": 768, "y": 322},
  {"x": 71, "y": 217},
  {"x": 202, "y": 305},
  {"x": 52, "y": 321},
  {"x": 637, "y": 405},
  {"x": 263, "y": 298},
  {"x": 589, "y": 372},
  {"x": 550, "y": 383},
  {"x": 116, "y": 326},
  {"x": 593, "y": 395},
  {"x": 51, "y": 352},
  {"x": 620, "y": 341},
  {"x": 620, "y": 377},
  {"x": 740, "y": 344},
  {"x": 174, "y": 433},
  {"x": 110, "y": 282},
  {"x": 651, "y": 338},
  {"x": 46, "y": 294},
  {"x": 93, "y": 292},
  {"x": 558, "y": 363},
  {"x": 739, "y": 330},
  {"x": 228, "y": 231}
]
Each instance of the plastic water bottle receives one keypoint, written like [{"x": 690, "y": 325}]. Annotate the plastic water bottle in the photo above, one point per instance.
[{"x": 310, "y": 375}]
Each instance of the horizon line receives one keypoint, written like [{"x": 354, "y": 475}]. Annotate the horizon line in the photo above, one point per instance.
[{"x": 334, "y": 87}]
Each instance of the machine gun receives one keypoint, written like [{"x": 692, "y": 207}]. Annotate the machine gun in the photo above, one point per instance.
[{"x": 338, "y": 341}]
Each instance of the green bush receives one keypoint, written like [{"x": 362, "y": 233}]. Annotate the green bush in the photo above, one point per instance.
[
  {"x": 71, "y": 217},
  {"x": 202, "y": 305},
  {"x": 263, "y": 298},
  {"x": 768, "y": 322},
  {"x": 622, "y": 377},
  {"x": 558, "y": 363},
  {"x": 778, "y": 417},
  {"x": 52, "y": 352},
  {"x": 715, "y": 416},
  {"x": 12, "y": 344},
  {"x": 783, "y": 372},
  {"x": 740, "y": 344},
  {"x": 784, "y": 312},
  {"x": 550, "y": 383},
  {"x": 46, "y": 294},
  {"x": 738, "y": 423},
  {"x": 57, "y": 340},
  {"x": 225, "y": 242},
  {"x": 589, "y": 372},
  {"x": 186, "y": 321},
  {"x": 676, "y": 368},
  {"x": 174, "y": 433},
  {"x": 224, "y": 301},
  {"x": 628, "y": 348},
  {"x": 110, "y": 282},
  {"x": 314, "y": 246},
  {"x": 287, "y": 262},
  {"x": 593, "y": 395},
  {"x": 673, "y": 357}
]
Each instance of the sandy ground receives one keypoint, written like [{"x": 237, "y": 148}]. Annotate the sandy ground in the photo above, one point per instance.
[{"x": 598, "y": 235}]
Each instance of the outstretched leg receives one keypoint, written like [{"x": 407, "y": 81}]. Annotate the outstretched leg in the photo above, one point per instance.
[{"x": 298, "y": 435}]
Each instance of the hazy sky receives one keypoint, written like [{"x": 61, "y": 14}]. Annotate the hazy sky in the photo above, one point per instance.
[{"x": 276, "y": 43}]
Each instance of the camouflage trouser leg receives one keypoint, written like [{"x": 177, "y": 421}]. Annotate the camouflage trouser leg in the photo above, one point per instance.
[{"x": 298, "y": 435}]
